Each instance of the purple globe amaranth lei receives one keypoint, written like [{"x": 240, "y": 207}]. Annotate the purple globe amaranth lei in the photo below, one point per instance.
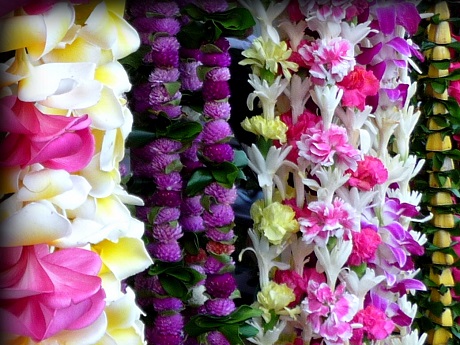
[
  {"x": 213, "y": 265},
  {"x": 170, "y": 181},
  {"x": 166, "y": 232},
  {"x": 189, "y": 77},
  {"x": 192, "y": 205},
  {"x": 212, "y": 6},
  {"x": 165, "y": 8},
  {"x": 220, "y": 236},
  {"x": 167, "y": 304},
  {"x": 192, "y": 223},
  {"x": 215, "y": 90},
  {"x": 165, "y": 52},
  {"x": 216, "y": 338},
  {"x": 167, "y": 252},
  {"x": 170, "y": 198},
  {"x": 218, "y": 74},
  {"x": 146, "y": 282},
  {"x": 217, "y": 110},
  {"x": 166, "y": 215},
  {"x": 162, "y": 75}
]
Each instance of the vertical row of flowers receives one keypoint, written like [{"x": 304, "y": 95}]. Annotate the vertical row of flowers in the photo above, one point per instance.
[
  {"x": 437, "y": 142},
  {"x": 68, "y": 239},
  {"x": 181, "y": 163},
  {"x": 333, "y": 232}
]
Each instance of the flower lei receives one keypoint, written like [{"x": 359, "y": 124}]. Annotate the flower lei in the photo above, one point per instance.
[
  {"x": 69, "y": 241},
  {"x": 437, "y": 142},
  {"x": 185, "y": 175},
  {"x": 332, "y": 234}
]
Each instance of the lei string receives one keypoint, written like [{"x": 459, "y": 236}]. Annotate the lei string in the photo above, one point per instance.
[
  {"x": 335, "y": 218},
  {"x": 184, "y": 169},
  {"x": 437, "y": 143},
  {"x": 68, "y": 239}
]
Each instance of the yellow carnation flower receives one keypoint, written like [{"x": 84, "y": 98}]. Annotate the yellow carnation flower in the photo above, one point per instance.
[
  {"x": 276, "y": 221},
  {"x": 269, "y": 129},
  {"x": 268, "y": 55},
  {"x": 276, "y": 297}
]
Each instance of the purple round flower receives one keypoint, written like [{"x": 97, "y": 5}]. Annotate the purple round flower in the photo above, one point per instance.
[
  {"x": 163, "y": 339},
  {"x": 165, "y": 52},
  {"x": 142, "y": 213},
  {"x": 141, "y": 168},
  {"x": 217, "y": 110},
  {"x": 216, "y": 59},
  {"x": 190, "y": 53},
  {"x": 171, "y": 181},
  {"x": 213, "y": 265},
  {"x": 219, "y": 215},
  {"x": 219, "y": 236},
  {"x": 172, "y": 111},
  {"x": 163, "y": 75},
  {"x": 218, "y": 74},
  {"x": 220, "y": 306},
  {"x": 166, "y": 232},
  {"x": 222, "y": 43},
  {"x": 166, "y": 8},
  {"x": 170, "y": 198},
  {"x": 145, "y": 282},
  {"x": 159, "y": 95},
  {"x": 192, "y": 205},
  {"x": 216, "y": 338},
  {"x": 216, "y": 131},
  {"x": 168, "y": 303},
  {"x": 169, "y": 324},
  {"x": 220, "y": 285},
  {"x": 152, "y": 149},
  {"x": 192, "y": 223},
  {"x": 215, "y": 90},
  {"x": 167, "y": 252},
  {"x": 143, "y": 24},
  {"x": 222, "y": 194},
  {"x": 166, "y": 214},
  {"x": 212, "y": 6},
  {"x": 189, "y": 77},
  {"x": 171, "y": 26},
  {"x": 199, "y": 269},
  {"x": 219, "y": 153}
]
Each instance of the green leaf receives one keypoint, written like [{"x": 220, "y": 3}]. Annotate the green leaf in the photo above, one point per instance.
[
  {"x": 172, "y": 87},
  {"x": 202, "y": 70},
  {"x": 443, "y": 64},
  {"x": 240, "y": 159},
  {"x": 248, "y": 331},
  {"x": 139, "y": 138},
  {"x": 210, "y": 48},
  {"x": 185, "y": 131},
  {"x": 173, "y": 287},
  {"x": 439, "y": 85},
  {"x": 198, "y": 181},
  {"x": 153, "y": 214},
  {"x": 232, "y": 334},
  {"x": 226, "y": 174},
  {"x": 273, "y": 320}
]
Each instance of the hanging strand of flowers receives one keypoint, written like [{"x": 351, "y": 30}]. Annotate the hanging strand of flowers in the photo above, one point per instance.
[
  {"x": 436, "y": 142},
  {"x": 68, "y": 239},
  {"x": 332, "y": 234}
]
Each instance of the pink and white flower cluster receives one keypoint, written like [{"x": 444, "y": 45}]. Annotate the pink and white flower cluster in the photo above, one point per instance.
[{"x": 350, "y": 262}]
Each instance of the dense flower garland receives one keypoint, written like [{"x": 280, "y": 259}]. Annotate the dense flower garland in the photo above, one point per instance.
[
  {"x": 332, "y": 234},
  {"x": 186, "y": 174},
  {"x": 437, "y": 141},
  {"x": 68, "y": 240}
]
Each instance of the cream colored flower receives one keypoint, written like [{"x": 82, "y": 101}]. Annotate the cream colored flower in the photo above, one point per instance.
[
  {"x": 269, "y": 129},
  {"x": 276, "y": 297}
]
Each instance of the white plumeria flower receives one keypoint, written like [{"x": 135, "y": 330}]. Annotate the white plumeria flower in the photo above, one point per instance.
[
  {"x": 267, "y": 94},
  {"x": 327, "y": 98},
  {"x": 269, "y": 337},
  {"x": 298, "y": 93},
  {"x": 266, "y": 16},
  {"x": 360, "y": 286},
  {"x": 332, "y": 262},
  {"x": 266, "y": 255},
  {"x": 266, "y": 168}
]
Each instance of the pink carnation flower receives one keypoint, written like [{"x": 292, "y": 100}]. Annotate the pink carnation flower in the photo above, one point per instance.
[
  {"x": 376, "y": 325},
  {"x": 294, "y": 281},
  {"x": 327, "y": 147},
  {"x": 56, "y": 142},
  {"x": 324, "y": 220},
  {"x": 365, "y": 244},
  {"x": 357, "y": 85},
  {"x": 370, "y": 172},
  {"x": 45, "y": 293}
]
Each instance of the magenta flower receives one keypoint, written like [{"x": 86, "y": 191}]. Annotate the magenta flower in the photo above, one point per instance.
[
  {"x": 165, "y": 52},
  {"x": 166, "y": 8},
  {"x": 217, "y": 110},
  {"x": 189, "y": 78},
  {"x": 213, "y": 265},
  {"x": 216, "y": 131},
  {"x": 219, "y": 153},
  {"x": 219, "y": 236},
  {"x": 167, "y": 303},
  {"x": 327, "y": 147},
  {"x": 148, "y": 283},
  {"x": 220, "y": 306},
  {"x": 220, "y": 193},
  {"x": 220, "y": 285},
  {"x": 216, "y": 338},
  {"x": 192, "y": 205},
  {"x": 357, "y": 85},
  {"x": 218, "y": 74},
  {"x": 192, "y": 223},
  {"x": 169, "y": 324},
  {"x": 56, "y": 142},
  {"x": 376, "y": 325},
  {"x": 212, "y": 6},
  {"x": 167, "y": 252},
  {"x": 169, "y": 198},
  {"x": 219, "y": 215},
  {"x": 166, "y": 232},
  {"x": 171, "y": 181},
  {"x": 323, "y": 220},
  {"x": 365, "y": 244},
  {"x": 44, "y": 293},
  {"x": 215, "y": 90},
  {"x": 161, "y": 75},
  {"x": 370, "y": 172},
  {"x": 216, "y": 59},
  {"x": 159, "y": 95}
]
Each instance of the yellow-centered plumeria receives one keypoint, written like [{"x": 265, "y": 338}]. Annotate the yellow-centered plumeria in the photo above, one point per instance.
[{"x": 66, "y": 63}]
